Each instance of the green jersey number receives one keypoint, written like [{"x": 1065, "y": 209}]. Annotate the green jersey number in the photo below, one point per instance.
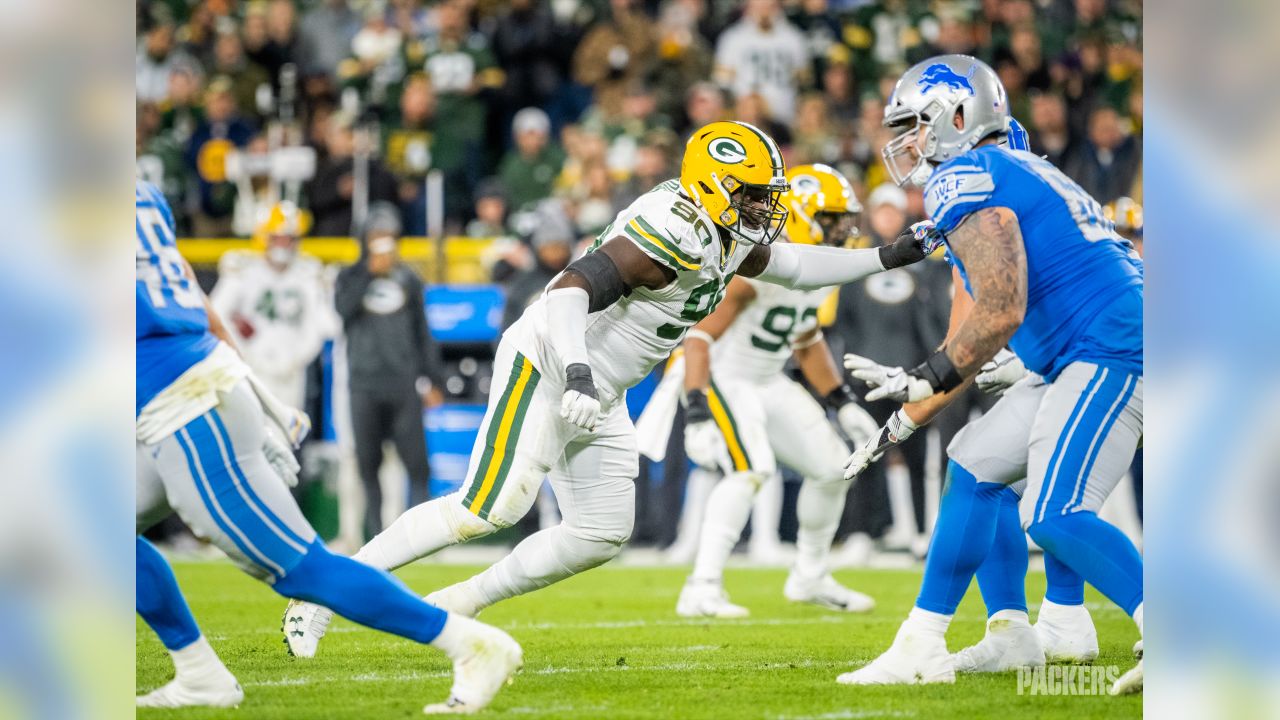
[
  {"x": 777, "y": 326},
  {"x": 702, "y": 300}
]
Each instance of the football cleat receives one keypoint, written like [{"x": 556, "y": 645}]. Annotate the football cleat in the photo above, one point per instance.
[
  {"x": 304, "y": 624},
  {"x": 457, "y": 599},
  {"x": 1137, "y": 650},
  {"x": 1010, "y": 643},
  {"x": 707, "y": 598},
  {"x": 1130, "y": 682},
  {"x": 221, "y": 690},
  {"x": 826, "y": 592},
  {"x": 489, "y": 660},
  {"x": 1066, "y": 633},
  {"x": 914, "y": 658}
]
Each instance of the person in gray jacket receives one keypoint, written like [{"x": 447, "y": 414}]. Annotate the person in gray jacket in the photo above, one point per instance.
[{"x": 394, "y": 366}]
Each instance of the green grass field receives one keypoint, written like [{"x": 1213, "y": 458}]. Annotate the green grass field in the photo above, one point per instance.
[{"x": 607, "y": 644}]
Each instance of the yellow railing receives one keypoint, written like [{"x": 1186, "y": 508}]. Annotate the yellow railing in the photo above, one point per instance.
[{"x": 462, "y": 255}]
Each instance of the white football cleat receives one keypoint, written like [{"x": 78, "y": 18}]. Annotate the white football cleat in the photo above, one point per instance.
[
  {"x": 488, "y": 660},
  {"x": 1010, "y": 643},
  {"x": 457, "y": 599},
  {"x": 1066, "y": 633},
  {"x": 217, "y": 690},
  {"x": 1130, "y": 682},
  {"x": 826, "y": 592},
  {"x": 707, "y": 598},
  {"x": 914, "y": 658},
  {"x": 304, "y": 624},
  {"x": 1137, "y": 650}
]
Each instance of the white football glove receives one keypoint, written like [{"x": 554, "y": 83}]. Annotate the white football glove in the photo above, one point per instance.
[
  {"x": 1000, "y": 373},
  {"x": 887, "y": 383},
  {"x": 705, "y": 446},
  {"x": 579, "y": 405},
  {"x": 280, "y": 456},
  {"x": 856, "y": 423},
  {"x": 898, "y": 428}
]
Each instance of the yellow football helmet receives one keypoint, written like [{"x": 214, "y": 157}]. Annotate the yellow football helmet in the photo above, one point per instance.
[
  {"x": 284, "y": 219},
  {"x": 821, "y": 206},
  {"x": 1126, "y": 214},
  {"x": 736, "y": 173}
]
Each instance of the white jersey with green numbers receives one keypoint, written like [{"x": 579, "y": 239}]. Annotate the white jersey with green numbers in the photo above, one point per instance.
[
  {"x": 760, "y": 339},
  {"x": 626, "y": 340}
]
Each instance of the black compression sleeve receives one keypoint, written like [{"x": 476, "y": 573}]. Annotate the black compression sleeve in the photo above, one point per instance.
[
  {"x": 603, "y": 278},
  {"x": 939, "y": 371}
]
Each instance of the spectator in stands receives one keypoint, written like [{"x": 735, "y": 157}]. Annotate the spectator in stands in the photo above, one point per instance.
[
  {"x": 182, "y": 111},
  {"x": 277, "y": 43},
  {"x": 704, "y": 104},
  {"x": 156, "y": 57},
  {"x": 333, "y": 188},
  {"x": 653, "y": 165},
  {"x": 552, "y": 240},
  {"x": 490, "y": 209},
  {"x": 1050, "y": 135},
  {"x": 532, "y": 49},
  {"x": 763, "y": 53},
  {"x": 413, "y": 146},
  {"x": 324, "y": 37},
  {"x": 221, "y": 131},
  {"x": 394, "y": 365},
  {"x": 683, "y": 56},
  {"x": 1107, "y": 163},
  {"x": 246, "y": 76},
  {"x": 614, "y": 54},
  {"x": 813, "y": 137},
  {"x": 529, "y": 170}
]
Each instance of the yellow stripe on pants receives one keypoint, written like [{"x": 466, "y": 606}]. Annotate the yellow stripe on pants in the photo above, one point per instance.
[
  {"x": 736, "y": 453},
  {"x": 504, "y": 432}
]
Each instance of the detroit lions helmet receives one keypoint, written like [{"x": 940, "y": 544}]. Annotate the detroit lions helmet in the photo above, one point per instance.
[{"x": 925, "y": 104}]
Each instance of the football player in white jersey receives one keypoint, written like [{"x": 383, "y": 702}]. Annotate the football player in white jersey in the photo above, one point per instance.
[
  {"x": 744, "y": 414},
  {"x": 562, "y": 371},
  {"x": 276, "y": 304}
]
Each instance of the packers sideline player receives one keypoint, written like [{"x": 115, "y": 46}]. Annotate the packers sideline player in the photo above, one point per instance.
[
  {"x": 744, "y": 414},
  {"x": 561, "y": 372}
]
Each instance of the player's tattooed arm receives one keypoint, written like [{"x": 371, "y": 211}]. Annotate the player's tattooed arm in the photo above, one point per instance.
[{"x": 988, "y": 244}]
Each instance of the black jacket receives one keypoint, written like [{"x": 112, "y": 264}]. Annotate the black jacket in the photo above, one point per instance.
[{"x": 388, "y": 344}]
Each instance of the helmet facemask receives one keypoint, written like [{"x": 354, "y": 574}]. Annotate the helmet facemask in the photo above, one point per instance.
[
  {"x": 755, "y": 213},
  {"x": 908, "y": 155}
]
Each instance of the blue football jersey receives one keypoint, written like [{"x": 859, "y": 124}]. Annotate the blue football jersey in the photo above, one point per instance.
[
  {"x": 172, "y": 327},
  {"x": 1084, "y": 283}
]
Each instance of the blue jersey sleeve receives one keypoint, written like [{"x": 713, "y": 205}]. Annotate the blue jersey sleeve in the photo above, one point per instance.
[{"x": 956, "y": 189}]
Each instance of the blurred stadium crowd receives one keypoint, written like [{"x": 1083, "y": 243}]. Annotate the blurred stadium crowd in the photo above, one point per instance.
[{"x": 528, "y": 124}]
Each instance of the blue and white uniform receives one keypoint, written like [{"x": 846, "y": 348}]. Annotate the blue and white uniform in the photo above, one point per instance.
[
  {"x": 1072, "y": 425},
  {"x": 200, "y": 428}
]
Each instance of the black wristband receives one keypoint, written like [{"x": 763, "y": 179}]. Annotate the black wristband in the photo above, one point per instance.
[
  {"x": 903, "y": 251},
  {"x": 578, "y": 377},
  {"x": 697, "y": 409},
  {"x": 939, "y": 371},
  {"x": 839, "y": 397}
]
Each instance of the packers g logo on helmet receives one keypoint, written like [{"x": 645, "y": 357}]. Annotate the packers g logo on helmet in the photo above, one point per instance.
[
  {"x": 822, "y": 208},
  {"x": 727, "y": 150},
  {"x": 735, "y": 173}
]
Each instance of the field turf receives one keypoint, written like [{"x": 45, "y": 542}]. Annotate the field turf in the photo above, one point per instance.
[{"x": 608, "y": 645}]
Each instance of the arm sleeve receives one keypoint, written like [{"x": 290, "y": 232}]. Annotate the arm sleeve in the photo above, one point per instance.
[
  {"x": 809, "y": 267},
  {"x": 567, "y": 324}
]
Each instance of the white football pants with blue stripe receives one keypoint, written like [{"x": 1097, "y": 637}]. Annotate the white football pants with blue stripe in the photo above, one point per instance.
[
  {"x": 1073, "y": 440},
  {"x": 214, "y": 474}
]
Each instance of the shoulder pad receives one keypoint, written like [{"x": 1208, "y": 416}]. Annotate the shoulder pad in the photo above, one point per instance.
[
  {"x": 957, "y": 188},
  {"x": 669, "y": 229}
]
